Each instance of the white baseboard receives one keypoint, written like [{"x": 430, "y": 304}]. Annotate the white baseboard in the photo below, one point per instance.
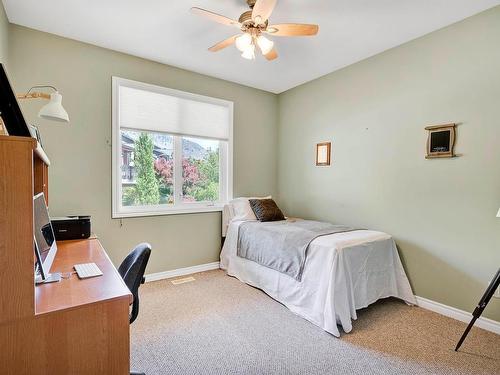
[
  {"x": 181, "y": 271},
  {"x": 463, "y": 316}
]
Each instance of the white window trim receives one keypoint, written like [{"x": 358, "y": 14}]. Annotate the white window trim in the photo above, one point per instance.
[{"x": 119, "y": 211}]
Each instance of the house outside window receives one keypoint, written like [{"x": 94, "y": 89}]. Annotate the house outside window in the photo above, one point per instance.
[{"x": 172, "y": 151}]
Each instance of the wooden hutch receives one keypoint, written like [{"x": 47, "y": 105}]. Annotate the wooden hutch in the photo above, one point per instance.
[{"x": 70, "y": 327}]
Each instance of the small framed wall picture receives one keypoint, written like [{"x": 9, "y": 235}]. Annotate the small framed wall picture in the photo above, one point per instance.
[
  {"x": 440, "y": 141},
  {"x": 323, "y": 153}
]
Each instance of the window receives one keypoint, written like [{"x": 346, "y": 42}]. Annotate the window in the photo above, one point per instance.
[{"x": 172, "y": 151}]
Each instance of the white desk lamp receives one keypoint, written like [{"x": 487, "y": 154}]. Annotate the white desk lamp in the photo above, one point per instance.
[
  {"x": 53, "y": 110},
  {"x": 498, "y": 213}
]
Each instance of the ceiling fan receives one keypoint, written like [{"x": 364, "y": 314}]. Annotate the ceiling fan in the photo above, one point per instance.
[{"x": 253, "y": 24}]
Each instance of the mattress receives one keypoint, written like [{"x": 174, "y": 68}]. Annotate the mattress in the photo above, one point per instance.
[{"x": 344, "y": 272}]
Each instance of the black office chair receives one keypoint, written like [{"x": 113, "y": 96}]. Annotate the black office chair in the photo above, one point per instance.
[{"x": 132, "y": 272}]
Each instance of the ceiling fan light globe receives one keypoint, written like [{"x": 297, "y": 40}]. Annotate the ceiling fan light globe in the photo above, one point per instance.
[
  {"x": 243, "y": 42},
  {"x": 249, "y": 52},
  {"x": 265, "y": 44}
]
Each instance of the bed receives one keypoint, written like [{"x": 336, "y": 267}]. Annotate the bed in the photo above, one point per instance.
[{"x": 343, "y": 272}]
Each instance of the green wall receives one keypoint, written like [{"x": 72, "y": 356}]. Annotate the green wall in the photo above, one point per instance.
[
  {"x": 441, "y": 212},
  {"x": 80, "y": 174},
  {"x": 4, "y": 36}
]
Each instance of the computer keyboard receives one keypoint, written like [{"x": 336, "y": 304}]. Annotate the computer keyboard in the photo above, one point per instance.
[{"x": 87, "y": 270}]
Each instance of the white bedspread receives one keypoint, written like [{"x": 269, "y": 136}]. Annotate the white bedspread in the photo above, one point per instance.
[{"x": 344, "y": 272}]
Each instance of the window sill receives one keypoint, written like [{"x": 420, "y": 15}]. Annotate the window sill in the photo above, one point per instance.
[{"x": 173, "y": 211}]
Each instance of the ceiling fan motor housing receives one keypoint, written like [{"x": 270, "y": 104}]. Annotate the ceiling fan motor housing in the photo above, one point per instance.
[
  {"x": 247, "y": 22},
  {"x": 245, "y": 17},
  {"x": 251, "y": 3}
]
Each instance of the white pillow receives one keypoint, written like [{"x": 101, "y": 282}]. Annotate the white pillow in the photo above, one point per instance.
[{"x": 241, "y": 208}]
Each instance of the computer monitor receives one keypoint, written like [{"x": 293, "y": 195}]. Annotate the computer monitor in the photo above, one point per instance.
[{"x": 45, "y": 242}]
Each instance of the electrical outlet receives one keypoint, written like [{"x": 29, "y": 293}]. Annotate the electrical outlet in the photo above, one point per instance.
[{"x": 497, "y": 293}]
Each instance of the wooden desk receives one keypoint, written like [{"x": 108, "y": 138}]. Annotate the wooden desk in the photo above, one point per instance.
[
  {"x": 73, "y": 292},
  {"x": 79, "y": 326}
]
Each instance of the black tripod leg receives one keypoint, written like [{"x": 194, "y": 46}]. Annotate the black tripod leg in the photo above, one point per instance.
[
  {"x": 465, "y": 333},
  {"x": 494, "y": 284}
]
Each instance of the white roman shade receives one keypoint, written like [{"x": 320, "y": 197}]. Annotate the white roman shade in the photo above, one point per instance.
[{"x": 159, "y": 109}]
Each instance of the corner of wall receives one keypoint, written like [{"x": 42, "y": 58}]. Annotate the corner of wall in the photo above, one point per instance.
[{"x": 4, "y": 36}]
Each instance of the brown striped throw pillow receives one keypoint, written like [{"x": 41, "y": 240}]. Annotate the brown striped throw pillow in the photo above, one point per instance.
[{"x": 266, "y": 210}]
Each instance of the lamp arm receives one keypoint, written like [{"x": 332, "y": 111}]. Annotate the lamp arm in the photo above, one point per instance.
[
  {"x": 35, "y": 95},
  {"x": 42, "y": 87}
]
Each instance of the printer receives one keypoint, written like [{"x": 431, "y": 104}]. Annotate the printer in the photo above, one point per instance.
[{"x": 71, "y": 227}]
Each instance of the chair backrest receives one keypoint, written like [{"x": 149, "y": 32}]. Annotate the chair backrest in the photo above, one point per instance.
[{"x": 132, "y": 271}]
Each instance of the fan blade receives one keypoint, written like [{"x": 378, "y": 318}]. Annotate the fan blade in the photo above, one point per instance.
[
  {"x": 292, "y": 29},
  {"x": 225, "y": 43},
  {"x": 271, "y": 55},
  {"x": 215, "y": 17},
  {"x": 262, "y": 10}
]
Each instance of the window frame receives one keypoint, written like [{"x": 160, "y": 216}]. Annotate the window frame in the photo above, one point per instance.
[{"x": 225, "y": 158}]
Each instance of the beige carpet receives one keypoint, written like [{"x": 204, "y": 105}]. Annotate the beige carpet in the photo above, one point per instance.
[{"x": 218, "y": 325}]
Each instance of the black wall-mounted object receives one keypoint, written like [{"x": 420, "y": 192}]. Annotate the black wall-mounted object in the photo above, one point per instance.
[
  {"x": 440, "y": 141},
  {"x": 71, "y": 227},
  {"x": 10, "y": 111}
]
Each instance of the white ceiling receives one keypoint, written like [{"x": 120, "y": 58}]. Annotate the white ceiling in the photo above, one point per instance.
[{"x": 165, "y": 31}]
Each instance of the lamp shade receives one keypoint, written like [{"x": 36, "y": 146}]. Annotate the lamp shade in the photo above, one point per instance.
[
  {"x": 498, "y": 213},
  {"x": 54, "y": 110}
]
